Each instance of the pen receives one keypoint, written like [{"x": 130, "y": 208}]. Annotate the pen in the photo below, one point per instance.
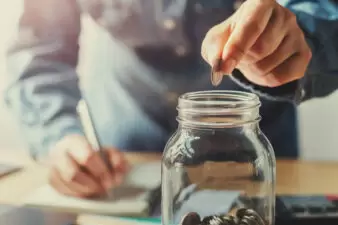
[{"x": 91, "y": 133}]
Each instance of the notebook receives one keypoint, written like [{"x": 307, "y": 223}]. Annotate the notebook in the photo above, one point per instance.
[{"x": 133, "y": 198}]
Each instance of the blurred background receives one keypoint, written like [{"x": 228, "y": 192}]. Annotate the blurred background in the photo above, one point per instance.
[{"x": 318, "y": 118}]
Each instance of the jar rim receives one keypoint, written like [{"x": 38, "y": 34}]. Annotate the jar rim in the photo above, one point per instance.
[
  {"x": 218, "y": 108},
  {"x": 225, "y": 98}
]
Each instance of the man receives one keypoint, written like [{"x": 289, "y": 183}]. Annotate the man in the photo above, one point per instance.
[{"x": 147, "y": 54}]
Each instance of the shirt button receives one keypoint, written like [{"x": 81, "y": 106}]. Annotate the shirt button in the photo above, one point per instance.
[
  {"x": 169, "y": 24},
  {"x": 198, "y": 8},
  {"x": 181, "y": 50}
]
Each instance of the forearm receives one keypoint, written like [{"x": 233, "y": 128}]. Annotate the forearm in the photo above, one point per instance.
[
  {"x": 42, "y": 83},
  {"x": 319, "y": 22},
  {"x": 45, "y": 104}
]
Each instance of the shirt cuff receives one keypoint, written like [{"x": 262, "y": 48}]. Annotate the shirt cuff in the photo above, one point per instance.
[
  {"x": 40, "y": 151},
  {"x": 290, "y": 92}
]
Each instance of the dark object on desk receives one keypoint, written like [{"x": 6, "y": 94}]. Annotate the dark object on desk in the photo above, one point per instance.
[
  {"x": 243, "y": 217},
  {"x": 306, "y": 210},
  {"x": 33, "y": 216},
  {"x": 6, "y": 169}
]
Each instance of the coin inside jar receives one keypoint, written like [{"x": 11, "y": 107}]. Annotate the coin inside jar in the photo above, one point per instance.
[
  {"x": 249, "y": 216},
  {"x": 246, "y": 221},
  {"x": 229, "y": 220},
  {"x": 241, "y": 213},
  {"x": 253, "y": 214},
  {"x": 212, "y": 220},
  {"x": 191, "y": 218}
]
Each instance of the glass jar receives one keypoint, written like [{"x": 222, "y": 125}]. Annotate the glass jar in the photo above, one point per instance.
[{"x": 218, "y": 163}]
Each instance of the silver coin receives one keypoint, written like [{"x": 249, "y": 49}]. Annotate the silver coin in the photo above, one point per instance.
[
  {"x": 251, "y": 215},
  {"x": 191, "y": 218},
  {"x": 229, "y": 220},
  {"x": 246, "y": 221},
  {"x": 212, "y": 220},
  {"x": 259, "y": 219},
  {"x": 253, "y": 220},
  {"x": 216, "y": 78},
  {"x": 240, "y": 213},
  {"x": 215, "y": 75}
]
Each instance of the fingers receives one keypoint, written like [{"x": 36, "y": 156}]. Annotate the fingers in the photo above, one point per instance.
[
  {"x": 285, "y": 73},
  {"x": 270, "y": 39},
  {"x": 82, "y": 171},
  {"x": 263, "y": 40},
  {"x": 57, "y": 182},
  {"x": 69, "y": 177},
  {"x": 92, "y": 162},
  {"x": 249, "y": 25},
  {"x": 284, "y": 51},
  {"x": 212, "y": 45},
  {"x": 287, "y": 63},
  {"x": 86, "y": 157},
  {"x": 120, "y": 165}
]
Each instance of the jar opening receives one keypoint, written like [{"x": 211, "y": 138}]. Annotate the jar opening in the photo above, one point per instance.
[{"x": 218, "y": 108}]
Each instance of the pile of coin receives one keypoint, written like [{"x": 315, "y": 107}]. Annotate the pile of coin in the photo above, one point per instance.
[{"x": 243, "y": 217}]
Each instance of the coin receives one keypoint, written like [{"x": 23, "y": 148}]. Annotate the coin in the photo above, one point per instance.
[
  {"x": 241, "y": 213},
  {"x": 206, "y": 220},
  {"x": 251, "y": 215},
  {"x": 212, "y": 220},
  {"x": 255, "y": 215},
  {"x": 216, "y": 78},
  {"x": 215, "y": 75},
  {"x": 247, "y": 221},
  {"x": 191, "y": 218},
  {"x": 229, "y": 220}
]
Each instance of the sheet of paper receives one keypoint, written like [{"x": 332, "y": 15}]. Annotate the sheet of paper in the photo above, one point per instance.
[
  {"x": 109, "y": 220},
  {"x": 131, "y": 199}
]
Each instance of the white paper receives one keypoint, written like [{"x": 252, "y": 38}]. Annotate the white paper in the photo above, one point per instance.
[{"x": 130, "y": 198}]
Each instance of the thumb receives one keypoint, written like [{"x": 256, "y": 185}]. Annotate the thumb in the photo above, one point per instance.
[{"x": 213, "y": 43}]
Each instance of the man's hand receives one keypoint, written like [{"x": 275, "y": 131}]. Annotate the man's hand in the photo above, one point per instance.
[
  {"x": 78, "y": 170},
  {"x": 263, "y": 40}
]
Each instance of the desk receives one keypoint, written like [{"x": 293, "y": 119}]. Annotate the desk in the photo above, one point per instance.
[{"x": 293, "y": 177}]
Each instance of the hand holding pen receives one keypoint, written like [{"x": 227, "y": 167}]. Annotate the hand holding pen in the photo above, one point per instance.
[{"x": 81, "y": 167}]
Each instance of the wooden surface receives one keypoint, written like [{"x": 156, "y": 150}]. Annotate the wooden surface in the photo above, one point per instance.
[{"x": 293, "y": 177}]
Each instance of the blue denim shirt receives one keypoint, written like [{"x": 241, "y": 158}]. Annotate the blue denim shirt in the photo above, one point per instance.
[{"x": 146, "y": 54}]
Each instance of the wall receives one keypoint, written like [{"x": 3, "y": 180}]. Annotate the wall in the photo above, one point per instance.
[{"x": 318, "y": 128}]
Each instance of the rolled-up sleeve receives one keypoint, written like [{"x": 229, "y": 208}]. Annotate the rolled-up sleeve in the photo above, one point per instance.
[
  {"x": 42, "y": 89},
  {"x": 319, "y": 22}
]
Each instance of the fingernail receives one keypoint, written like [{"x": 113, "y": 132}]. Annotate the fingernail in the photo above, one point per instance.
[{"x": 228, "y": 66}]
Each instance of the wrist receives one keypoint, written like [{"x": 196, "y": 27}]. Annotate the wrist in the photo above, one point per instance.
[{"x": 50, "y": 142}]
